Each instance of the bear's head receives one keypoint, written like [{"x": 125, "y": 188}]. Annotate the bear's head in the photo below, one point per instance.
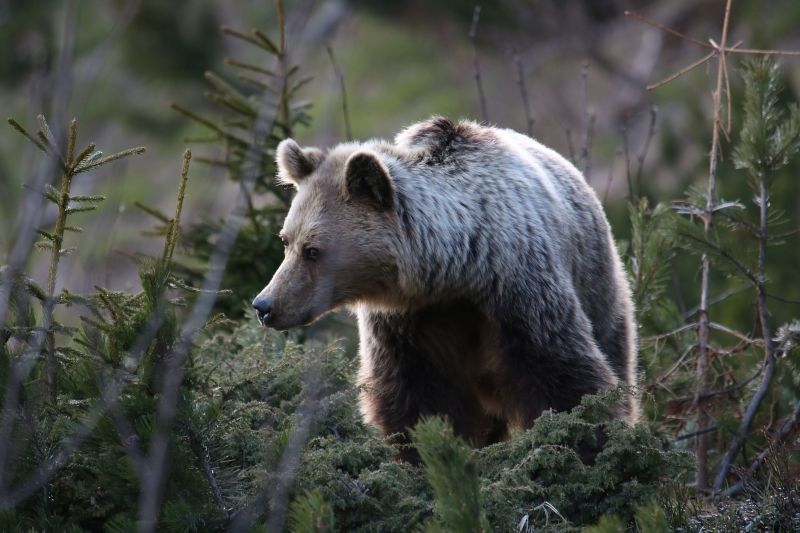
[{"x": 340, "y": 234}]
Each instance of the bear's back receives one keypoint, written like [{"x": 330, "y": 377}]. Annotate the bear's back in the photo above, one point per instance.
[
  {"x": 506, "y": 181},
  {"x": 488, "y": 184}
]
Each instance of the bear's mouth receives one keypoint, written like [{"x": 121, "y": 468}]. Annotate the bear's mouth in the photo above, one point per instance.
[
  {"x": 262, "y": 317},
  {"x": 268, "y": 320}
]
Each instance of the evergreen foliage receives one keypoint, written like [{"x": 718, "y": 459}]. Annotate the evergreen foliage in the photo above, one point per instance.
[
  {"x": 310, "y": 513},
  {"x": 453, "y": 477},
  {"x": 770, "y": 134},
  {"x": 744, "y": 364},
  {"x": 240, "y": 96}
]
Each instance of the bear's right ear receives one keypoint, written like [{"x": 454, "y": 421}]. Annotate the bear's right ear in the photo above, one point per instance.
[
  {"x": 295, "y": 163},
  {"x": 368, "y": 180}
]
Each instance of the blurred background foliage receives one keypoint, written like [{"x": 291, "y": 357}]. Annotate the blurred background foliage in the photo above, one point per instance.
[{"x": 401, "y": 61}]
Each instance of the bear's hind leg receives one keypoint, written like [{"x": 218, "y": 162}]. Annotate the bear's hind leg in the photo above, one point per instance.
[{"x": 554, "y": 374}]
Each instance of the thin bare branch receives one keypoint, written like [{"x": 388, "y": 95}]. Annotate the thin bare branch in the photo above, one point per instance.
[
  {"x": 741, "y": 267},
  {"x": 696, "y": 433},
  {"x": 770, "y": 353},
  {"x": 201, "y": 453},
  {"x": 267, "y": 119},
  {"x": 651, "y": 131},
  {"x": 721, "y": 297},
  {"x": 675, "y": 366},
  {"x": 586, "y": 150},
  {"x": 589, "y": 119},
  {"x": 28, "y": 221},
  {"x": 656, "y": 338},
  {"x": 782, "y": 299},
  {"x": 756, "y": 51},
  {"x": 739, "y": 335},
  {"x": 786, "y": 429},
  {"x": 702, "y": 61},
  {"x": 665, "y": 29},
  {"x": 627, "y": 153},
  {"x": 523, "y": 91},
  {"x": 473, "y": 33},
  {"x": 610, "y": 178},
  {"x": 343, "y": 90},
  {"x": 571, "y": 147}
]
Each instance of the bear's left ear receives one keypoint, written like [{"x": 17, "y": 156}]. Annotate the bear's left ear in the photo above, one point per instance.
[
  {"x": 295, "y": 163},
  {"x": 368, "y": 180}
]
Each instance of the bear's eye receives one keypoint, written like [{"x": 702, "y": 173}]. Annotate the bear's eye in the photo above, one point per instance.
[
  {"x": 285, "y": 241},
  {"x": 310, "y": 254}
]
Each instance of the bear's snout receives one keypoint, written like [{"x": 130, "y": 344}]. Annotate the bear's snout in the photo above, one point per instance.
[{"x": 263, "y": 307}]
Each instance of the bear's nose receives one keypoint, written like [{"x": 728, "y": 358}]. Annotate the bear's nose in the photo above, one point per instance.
[{"x": 263, "y": 307}]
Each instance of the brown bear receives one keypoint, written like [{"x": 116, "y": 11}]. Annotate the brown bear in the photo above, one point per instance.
[{"x": 481, "y": 268}]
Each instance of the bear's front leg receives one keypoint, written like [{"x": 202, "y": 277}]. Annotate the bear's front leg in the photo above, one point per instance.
[{"x": 417, "y": 364}]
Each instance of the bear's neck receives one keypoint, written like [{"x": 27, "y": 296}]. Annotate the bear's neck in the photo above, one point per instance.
[{"x": 437, "y": 234}]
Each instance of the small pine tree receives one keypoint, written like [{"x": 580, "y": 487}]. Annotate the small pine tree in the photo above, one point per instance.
[
  {"x": 453, "y": 476},
  {"x": 310, "y": 513},
  {"x": 258, "y": 107}
]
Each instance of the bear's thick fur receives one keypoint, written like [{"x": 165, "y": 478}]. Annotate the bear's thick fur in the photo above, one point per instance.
[{"x": 481, "y": 268}]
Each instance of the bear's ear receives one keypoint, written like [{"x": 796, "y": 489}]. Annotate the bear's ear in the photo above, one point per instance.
[
  {"x": 368, "y": 180},
  {"x": 295, "y": 163}
]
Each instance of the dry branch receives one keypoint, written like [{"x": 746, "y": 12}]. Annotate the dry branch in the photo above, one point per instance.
[
  {"x": 473, "y": 33},
  {"x": 340, "y": 78}
]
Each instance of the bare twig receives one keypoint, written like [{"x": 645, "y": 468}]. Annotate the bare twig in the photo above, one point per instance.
[
  {"x": 675, "y": 366},
  {"x": 613, "y": 164},
  {"x": 721, "y": 297},
  {"x": 651, "y": 131},
  {"x": 702, "y": 61},
  {"x": 666, "y": 29},
  {"x": 741, "y": 267},
  {"x": 473, "y": 33},
  {"x": 155, "y": 467},
  {"x": 627, "y": 153},
  {"x": 696, "y": 433},
  {"x": 102, "y": 51},
  {"x": 739, "y": 335},
  {"x": 789, "y": 424},
  {"x": 769, "y": 347},
  {"x": 703, "y": 336},
  {"x": 201, "y": 453},
  {"x": 676, "y": 331},
  {"x": 571, "y": 147},
  {"x": 729, "y": 389},
  {"x": 30, "y": 212},
  {"x": 275, "y": 497},
  {"x": 589, "y": 119},
  {"x": 747, "y": 51},
  {"x": 523, "y": 91},
  {"x": 782, "y": 299},
  {"x": 586, "y": 151},
  {"x": 340, "y": 78}
]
